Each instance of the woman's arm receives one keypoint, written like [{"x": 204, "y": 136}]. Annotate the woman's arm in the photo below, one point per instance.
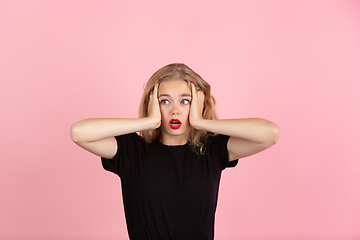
[
  {"x": 98, "y": 135},
  {"x": 247, "y": 136}
]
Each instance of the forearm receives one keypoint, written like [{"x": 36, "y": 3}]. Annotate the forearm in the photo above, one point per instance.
[
  {"x": 251, "y": 129},
  {"x": 90, "y": 130}
]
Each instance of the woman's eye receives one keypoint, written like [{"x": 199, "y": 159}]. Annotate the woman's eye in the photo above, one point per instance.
[
  {"x": 164, "y": 101},
  {"x": 185, "y": 101}
]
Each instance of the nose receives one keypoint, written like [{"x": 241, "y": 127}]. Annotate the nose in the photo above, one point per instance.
[{"x": 174, "y": 111}]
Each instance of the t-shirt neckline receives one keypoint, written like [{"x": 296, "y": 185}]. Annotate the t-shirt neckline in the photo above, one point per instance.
[{"x": 171, "y": 146}]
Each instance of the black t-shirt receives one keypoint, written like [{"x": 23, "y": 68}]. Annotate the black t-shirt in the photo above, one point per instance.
[{"x": 169, "y": 192}]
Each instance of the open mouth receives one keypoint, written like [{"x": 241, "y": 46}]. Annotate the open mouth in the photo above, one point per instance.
[{"x": 175, "y": 123}]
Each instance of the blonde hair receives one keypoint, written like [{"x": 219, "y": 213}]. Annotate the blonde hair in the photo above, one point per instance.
[{"x": 179, "y": 71}]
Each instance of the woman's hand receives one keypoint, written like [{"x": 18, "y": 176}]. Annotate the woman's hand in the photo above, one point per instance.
[
  {"x": 98, "y": 135},
  {"x": 196, "y": 108},
  {"x": 154, "y": 108}
]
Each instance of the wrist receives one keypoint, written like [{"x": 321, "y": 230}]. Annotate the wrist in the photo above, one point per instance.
[
  {"x": 198, "y": 124},
  {"x": 153, "y": 122}
]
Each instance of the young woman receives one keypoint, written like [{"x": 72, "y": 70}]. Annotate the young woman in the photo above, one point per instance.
[{"x": 170, "y": 173}]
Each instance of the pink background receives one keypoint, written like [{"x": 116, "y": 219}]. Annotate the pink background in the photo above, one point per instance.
[{"x": 296, "y": 63}]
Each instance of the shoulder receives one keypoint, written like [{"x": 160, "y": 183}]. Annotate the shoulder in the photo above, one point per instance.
[
  {"x": 217, "y": 145},
  {"x": 129, "y": 138},
  {"x": 215, "y": 139},
  {"x": 131, "y": 142}
]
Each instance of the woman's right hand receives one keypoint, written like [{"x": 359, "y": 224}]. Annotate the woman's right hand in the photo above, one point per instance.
[{"x": 154, "y": 108}]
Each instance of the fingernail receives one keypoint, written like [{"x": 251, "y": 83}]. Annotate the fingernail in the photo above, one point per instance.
[{"x": 192, "y": 82}]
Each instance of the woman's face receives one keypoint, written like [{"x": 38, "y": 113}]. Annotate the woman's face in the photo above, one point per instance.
[{"x": 174, "y": 100}]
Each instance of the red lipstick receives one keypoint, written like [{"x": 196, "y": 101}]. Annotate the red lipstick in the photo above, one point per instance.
[{"x": 175, "y": 123}]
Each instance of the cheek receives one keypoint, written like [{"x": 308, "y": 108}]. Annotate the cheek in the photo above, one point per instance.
[
  {"x": 163, "y": 112},
  {"x": 186, "y": 111}
]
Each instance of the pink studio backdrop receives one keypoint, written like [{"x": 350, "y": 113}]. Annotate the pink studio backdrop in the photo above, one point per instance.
[{"x": 296, "y": 63}]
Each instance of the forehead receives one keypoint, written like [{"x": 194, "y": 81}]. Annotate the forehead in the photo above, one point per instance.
[{"x": 175, "y": 86}]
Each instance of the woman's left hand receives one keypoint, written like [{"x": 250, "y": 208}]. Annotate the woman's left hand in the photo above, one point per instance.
[{"x": 197, "y": 106}]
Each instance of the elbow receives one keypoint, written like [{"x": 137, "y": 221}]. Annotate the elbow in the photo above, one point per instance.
[
  {"x": 275, "y": 132},
  {"x": 74, "y": 133}
]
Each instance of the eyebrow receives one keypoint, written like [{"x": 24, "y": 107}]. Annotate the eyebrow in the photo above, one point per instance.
[{"x": 182, "y": 95}]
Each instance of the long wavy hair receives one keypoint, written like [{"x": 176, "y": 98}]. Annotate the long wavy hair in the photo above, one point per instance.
[{"x": 179, "y": 71}]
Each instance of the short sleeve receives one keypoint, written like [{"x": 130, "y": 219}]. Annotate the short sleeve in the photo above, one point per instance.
[
  {"x": 219, "y": 147},
  {"x": 126, "y": 150}
]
